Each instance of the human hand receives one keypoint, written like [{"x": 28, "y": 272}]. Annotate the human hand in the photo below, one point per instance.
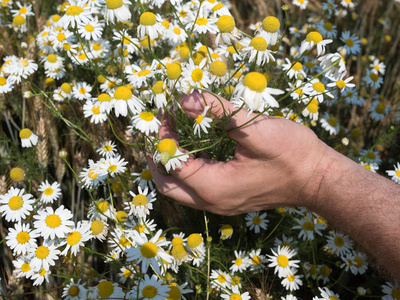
[{"x": 277, "y": 163}]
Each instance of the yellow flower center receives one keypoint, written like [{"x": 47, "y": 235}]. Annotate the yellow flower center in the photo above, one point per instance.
[
  {"x": 74, "y": 10},
  {"x": 147, "y": 116},
  {"x": 92, "y": 174},
  {"x": 374, "y": 77},
  {"x": 339, "y": 241},
  {"x": 183, "y": 13},
  {"x": 19, "y": 20},
  {"x": 140, "y": 200},
  {"x": 22, "y": 10},
  {"x": 3, "y": 80},
  {"x": 396, "y": 293},
  {"x": 259, "y": 43},
  {"x": 89, "y": 28},
  {"x": 174, "y": 71},
  {"x": 349, "y": 42},
  {"x": 25, "y": 267},
  {"x": 103, "y": 205},
  {"x": 149, "y": 250},
  {"x": 290, "y": 277},
  {"x": 328, "y": 26},
  {"x": 96, "y": 47},
  {"x": 167, "y": 145},
  {"x": 201, "y": 21},
  {"x": 123, "y": 93},
  {"x": 66, "y": 87},
  {"x": 165, "y": 23},
  {"x": 332, "y": 122},
  {"x": 256, "y": 260},
  {"x": 217, "y": 7},
  {"x": 177, "y": 31},
  {"x": 61, "y": 37},
  {"x": 96, "y": 110},
  {"x": 42, "y": 252},
  {"x": 319, "y": 87},
  {"x": 158, "y": 87},
  {"x": 174, "y": 292},
  {"x": 225, "y": 23},
  {"x": 340, "y": 84},
  {"x": 194, "y": 240},
  {"x": 238, "y": 261},
  {"x": 23, "y": 237},
  {"x": 271, "y": 24},
  {"x": 73, "y": 291},
  {"x": 49, "y": 191},
  {"x": 148, "y": 19},
  {"x": 104, "y": 98},
  {"x": 73, "y": 238},
  {"x": 15, "y": 202},
  {"x": 235, "y": 297},
  {"x": 221, "y": 278},
  {"x": 257, "y": 220},
  {"x": 149, "y": 291},
  {"x": 297, "y": 67},
  {"x": 23, "y": 62},
  {"x": 114, "y": 4},
  {"x": 358, "y": 262},
  {"x": 197, "y": 75},
  {"x": 314, "y": 36},
  {"x": 282, "y": 261},
  {"x": 139, "y": 228},
  {"x": 127, "y": 273},
  {"x": 199, "y": 119},
  {"x": 122, "y": 216},
  {"x": 325, "y": 271},
  {"x": 25, "y": 133},
  {"x": 82, "y": 91},
  {"x": 227, "y": 230},
  {"x": 82, "y": 56},
  {"x": 97, "y": 227},
  {"x": 255, "y": 81},
  {"x": 53, "y": 221},
  {"x": 179, "y": 252},
  {"x": 218, "y": 68},
  {"x": 380, "y": 108},
  {"x": 105, "y": 289},
  {"x": 312, "y": 107},
  {"x": 17, "y": 174},
  {"x": 143, "y": 73},
  {"x": 146, "y": 175},
  {"x": 308, "y": 226},
  {"x": 124, "y": 242}
]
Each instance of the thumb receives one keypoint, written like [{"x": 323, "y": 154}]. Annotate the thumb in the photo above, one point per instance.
[{"x": 194, "y": 103}]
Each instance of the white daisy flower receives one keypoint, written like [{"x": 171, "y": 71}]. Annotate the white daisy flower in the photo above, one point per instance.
[
  {"x": 148, "y": 251},
  {"x": 148, "y": 25},
  {"x": 28, "y": 138},
  {"x": 53, "y": 62},
  {"x": 124, "y": 99},
  {"x": 125, "y": 274},
  {"x": 178, "y": 291},
  {"x": 236, "y": 294},
  {"x": 107, "y": 290},
  {"x": 112, "y": 165},
  {"x": 81, "y": 91},
  {"x": 255, "y": 93},
  {"x": 175, "y": 35},
  {"x": 44, "y": 256},
  {"x": 92, "y": 29},
  {"x": 74, "y": 291},
  {"x": 93, "y": 111},
  {"x": 338, "y": 71},
  {"x": 292, "y": 281},
  {"x": 312, "y": 39},
  {"x": 59, "y": 38},
  {"x": 40, "y": 276},
  {"x": 308, "y": 227},
  {"x": 258, "y": 52},
  {"x": 21, "y": 239},
  {"x": 316, "y": 89},
  {"x": 76, "y": 12},
  {"x": 52, "y": 224},
  {"x": 194, "y": 75},
  {"x": 329, "y": 123},
  {"x": 105, "y": 102},
  {"x": 22, "y": 267},
  {"x": 120, "y": 240},
  {"x": 149, "y": 288},
  {"x": 76, "y": 238},
  {"x": 23, "y": 10},
  {"x": 395, "y": 174},
  {"x": 219, "y": 279},
  {"x": 6, "y": 85},
  {"x": 19, "y": 69},
  {"x": 301, "y": 3},
  {"x": 389, "y": 290},
  {"x": 311, "y": 110},
  {"x": 144, "y": 179},
  {"x": 326, "y": 294},
  {"x": 202, "y": 122},
  {"x": 130, "y": 43},
  {"x": 339, "y": 244},
  {"x": 293, "y": 70},
  {"x": 201, "y": 24},
  {"x": 146, "y": 122},
  {"x": 98, "y": 229},
  {"x": 50, "y": 192},
  {"x": 240, "y": 263},
  {"x": 269, "y": 30},
  {"x": 160, "y": 91},
  {"x": 141, "y": 203},
  {"x": 117, "y": 9},
  {"x": 138, "y": 76},
  {"x": 107, "y": 149},
  {"x": 100, "y": 209},
  {"x": 16, "y": 206},
  {"x": 282, "y": 261},
  {"x": 257, "y": 260},
  {"x": 342, "y": 84},
  {"x": 255, "y": 221},
  {"x": 169, "y": 155},
  {"x": 378, "y": 66},
  {"x": 90, "y": 176}
]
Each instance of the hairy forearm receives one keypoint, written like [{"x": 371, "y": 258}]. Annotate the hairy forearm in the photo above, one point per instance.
[{"x": 364, "y": 205}]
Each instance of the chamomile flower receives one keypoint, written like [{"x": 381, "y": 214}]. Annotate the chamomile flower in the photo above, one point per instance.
[
  {"x": 378, "y": 66},
  {"x": 256, "y": 221},
  {"x": 76, "y": 238},
  {"x": 149, "y": 26},
  {"x": 202, "y": 122},
  {"x": 293, "y": 69},
  {"x": 149, "y": 288},
  {"x": 128, "y": 42},
  {"x": 219, "y": 279},
  {"x": 391, "y": 291},
  {"x": 301, "y": 3},
  {"x": 372, "y": 79},
  {"x": 347, "y": 3},
  {"x": 22, "y": 267},
  {"x": 6, "y": 85},
  {"x": 282, "y": 261},
  {"x": 23, "y": 10},
  {"x": 146, "y": 122},
  {"x": 201, "y": 24},
  {"x": 91, "y": 29},
  {"x": 144, "y": 179},
  {"x": 20, "y": 68},
  {"x": 50, "y": 192},
  {"x": 75, "y": 13},
  {"x": 74, "y": 291},
  {"x": 159, "y": 96},
  {"x": 326, "y": 294},
  {"x": 90, "y": 176},
  {"x": 117, "y": 10},
  {"x": 44, "y": 256},
  {"x": 269, "y": 30},
  {"x": 100, "y": 209},
  {"x": 108, "y": 290},
  {"x": 98, "y": 229},
  {"x": 351, "y": 42},
  {"x": 141, "y": 203},
  {"x": 311, "y": 110},
  {"x": 53, "y": 223},
  {"x": 178, "y": 291},
  {"x": 195, "y": 76},
  {"x": 81, "y": 91},
  {"x": 120, "y": 240},
  {"x": 40, "y": 275},
  {"x": 226, "y": 231},
  {"x": 330, "y": 123},
  {"x": 105, "y": 102},
  {"x": 169, "y": 155},
  {"x": 327, "y": 29},
  {"x": 379, "y": 110},
  {"x": 314, "y": 38},
  {"x": 28, "y": 138},
  {"x": 308, "y": 228},
  {"x": 125, "y": 274},
  {"x": 124, "y": 99},
  {"x": 342, "y": 84},
  {"x": 16, "y": 206},
  {"x": 175, "y": 34},
  {"x": 255, "y": 93},
  {"x": 240, "y": 263},
  {"x": 292, "y": 281},
  {"x": 257, "y": 51},
  {"x": 112, "y": 165},
  {"x": 257, "y": 260},
  {"x": 373, "y": 167},
  {"x": 395, "y": 174},
  {"x": 21, "y": 239},
  {"x": 93, "y": 111},
  {"x": 339, "y": 244},
  {"x": 236, "y": 294},
  {"x": 107, "y": 149},
  {"x": 148, "y": 251},
  {"x": 316, "y": 89}
]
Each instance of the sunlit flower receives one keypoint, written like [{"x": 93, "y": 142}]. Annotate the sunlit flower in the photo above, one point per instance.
[
  {"x": 28, "y": 138},
  {"x": 141, "y": 203},
  {"x": 314, "y": 38},
  {"x": 282, "y": 261},
  {"x": 117, "y": 9},
  {"x": 16, "y": 206},
  {"x": 21, "y": 239}
]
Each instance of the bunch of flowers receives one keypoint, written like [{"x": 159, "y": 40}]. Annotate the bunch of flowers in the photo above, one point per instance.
[{"x": 95, "y": 81}]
